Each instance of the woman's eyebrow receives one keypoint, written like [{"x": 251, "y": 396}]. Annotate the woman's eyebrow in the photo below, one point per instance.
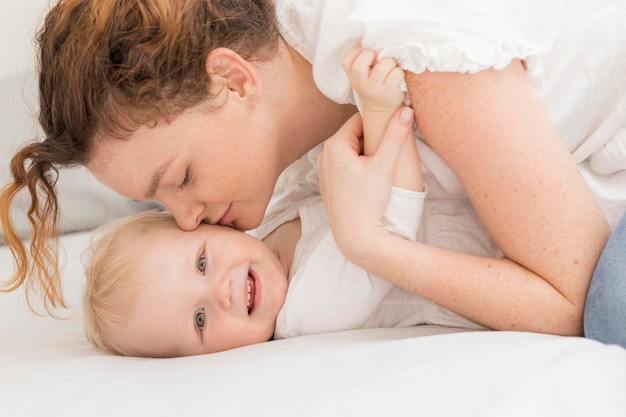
[
  {"x": 154, "y": 185},
  {"x": 156, "y": 180}
]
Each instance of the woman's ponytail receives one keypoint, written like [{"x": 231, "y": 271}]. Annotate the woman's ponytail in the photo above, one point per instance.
[{"x": 36, "y": 267}]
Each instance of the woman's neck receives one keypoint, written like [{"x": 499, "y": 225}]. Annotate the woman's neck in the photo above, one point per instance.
[{"x": 310, "y": 116}]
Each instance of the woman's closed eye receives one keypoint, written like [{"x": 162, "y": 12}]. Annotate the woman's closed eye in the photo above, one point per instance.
[{"x": 186, "y": 179}]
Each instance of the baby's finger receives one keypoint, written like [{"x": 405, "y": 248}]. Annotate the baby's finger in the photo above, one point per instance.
[
  {"x": 394, "y": 77},
  {"x": 348, "y": 59},
  {"x": 382, "y": 69},
  {"x": 363, "y": 64}
]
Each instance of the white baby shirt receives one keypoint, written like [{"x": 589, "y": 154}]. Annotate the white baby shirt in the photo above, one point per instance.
[{"x": 328, "y": 293}]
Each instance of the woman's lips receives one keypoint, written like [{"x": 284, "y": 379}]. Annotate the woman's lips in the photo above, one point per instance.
[{"x": 226, "y": 219}]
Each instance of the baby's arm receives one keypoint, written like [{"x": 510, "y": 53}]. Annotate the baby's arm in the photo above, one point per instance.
[{"x": 378, "y": 85}]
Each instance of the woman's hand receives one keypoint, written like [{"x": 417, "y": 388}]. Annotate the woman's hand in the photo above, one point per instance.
[{"x": 356, "y": 188}]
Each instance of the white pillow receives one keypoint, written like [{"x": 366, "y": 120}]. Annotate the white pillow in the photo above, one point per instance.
[{"x": 84, "y": 202}]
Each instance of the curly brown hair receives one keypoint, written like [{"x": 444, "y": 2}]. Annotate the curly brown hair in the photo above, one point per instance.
[{"x": 107, "y": 67}]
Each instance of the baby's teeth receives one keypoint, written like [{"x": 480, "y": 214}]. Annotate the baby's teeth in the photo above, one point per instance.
[{"x": 249, "y": 288}]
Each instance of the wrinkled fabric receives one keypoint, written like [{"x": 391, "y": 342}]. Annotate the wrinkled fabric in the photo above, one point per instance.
[
  {"x": 328, "y": 293},
  {"x": 574, "y": 51}
]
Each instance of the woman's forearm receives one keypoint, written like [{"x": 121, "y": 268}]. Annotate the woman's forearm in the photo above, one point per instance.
[
  {"x": 493, "y": 131},
  {"x": 497, "y": 293}
]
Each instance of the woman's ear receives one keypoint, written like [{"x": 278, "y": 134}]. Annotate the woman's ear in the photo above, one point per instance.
[{"x": 228, "y": 69}]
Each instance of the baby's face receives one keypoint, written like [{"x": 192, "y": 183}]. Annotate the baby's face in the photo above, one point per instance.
[{"x": 204, "y": 291}]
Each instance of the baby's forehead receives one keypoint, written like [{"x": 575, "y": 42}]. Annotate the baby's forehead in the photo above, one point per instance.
[{"x": 160, "y": 254}]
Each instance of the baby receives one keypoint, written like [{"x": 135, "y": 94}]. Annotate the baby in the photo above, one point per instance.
[{"x": 155, "y": 290}]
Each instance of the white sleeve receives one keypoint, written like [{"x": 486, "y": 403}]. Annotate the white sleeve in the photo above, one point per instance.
[
  {"x": 404, "y": 212},
  {"x": 444, "y": 35},
  {"x": 573, "y": 51}
]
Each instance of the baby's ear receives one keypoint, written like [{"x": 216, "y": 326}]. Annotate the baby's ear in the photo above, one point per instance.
[{"x": 226, "y": 68}]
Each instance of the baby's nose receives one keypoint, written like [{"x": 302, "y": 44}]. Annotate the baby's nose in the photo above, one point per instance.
[{"x": 223, "y": 292}]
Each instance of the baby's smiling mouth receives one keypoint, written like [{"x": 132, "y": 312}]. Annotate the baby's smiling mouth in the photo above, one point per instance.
[{"x": 251, "y": 291}]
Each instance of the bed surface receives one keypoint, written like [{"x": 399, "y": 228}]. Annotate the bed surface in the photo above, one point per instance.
[{"x": 47, "y": 368}]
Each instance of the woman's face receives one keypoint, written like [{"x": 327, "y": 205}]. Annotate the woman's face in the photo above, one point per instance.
[
  {"x": 204, "y": 291},
  {"x": 217, "y": 166}
]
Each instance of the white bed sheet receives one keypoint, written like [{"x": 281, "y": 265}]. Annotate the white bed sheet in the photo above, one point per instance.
[{"x": 47, "y": 368}]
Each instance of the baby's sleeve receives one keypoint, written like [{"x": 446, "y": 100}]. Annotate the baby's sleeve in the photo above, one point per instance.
[{"x": 403, "y": 214}]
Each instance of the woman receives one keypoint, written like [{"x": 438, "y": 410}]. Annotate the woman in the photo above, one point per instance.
[{"x": 202, "y": 104}]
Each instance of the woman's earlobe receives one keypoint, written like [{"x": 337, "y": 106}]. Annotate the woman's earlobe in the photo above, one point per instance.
[{"x": 226, "y": 67}]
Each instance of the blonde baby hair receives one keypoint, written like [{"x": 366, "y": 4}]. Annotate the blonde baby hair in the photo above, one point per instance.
[{"x": 111, "y": 272}]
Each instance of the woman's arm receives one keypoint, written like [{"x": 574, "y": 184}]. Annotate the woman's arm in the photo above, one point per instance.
[{"x": 492, "y": 130}]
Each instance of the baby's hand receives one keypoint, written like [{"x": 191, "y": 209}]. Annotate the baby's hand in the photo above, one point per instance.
[{"x": 376, "y": 82}]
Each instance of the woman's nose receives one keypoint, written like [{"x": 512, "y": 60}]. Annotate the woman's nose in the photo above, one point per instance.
[{"x": 188, "y": 215}]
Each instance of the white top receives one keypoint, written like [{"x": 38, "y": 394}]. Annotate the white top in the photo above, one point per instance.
[
  {"x": 574, "y": 51},
  {"x": 328, "y": 293}
]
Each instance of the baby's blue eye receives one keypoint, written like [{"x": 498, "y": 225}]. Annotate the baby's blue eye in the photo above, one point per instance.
[
  {"x": 200, "y": 319},
  {"x": 202, "y": 263}
]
